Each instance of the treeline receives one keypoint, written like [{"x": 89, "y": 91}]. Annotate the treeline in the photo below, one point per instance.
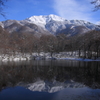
[{"x": 86, "y": 45}]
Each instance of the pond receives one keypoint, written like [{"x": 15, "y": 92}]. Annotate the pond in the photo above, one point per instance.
[{"x": 50, "y": 80}]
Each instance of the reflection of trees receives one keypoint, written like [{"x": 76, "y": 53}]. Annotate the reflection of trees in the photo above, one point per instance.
[{"x": 87, "y": 73}]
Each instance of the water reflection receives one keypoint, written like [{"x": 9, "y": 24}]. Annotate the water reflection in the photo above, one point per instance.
[
  {"x": 50, "y": 80},
  {"x": 86, "y": 73}
]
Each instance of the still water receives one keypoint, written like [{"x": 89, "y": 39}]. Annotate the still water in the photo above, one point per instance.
[{"x": 50, "y": 80}]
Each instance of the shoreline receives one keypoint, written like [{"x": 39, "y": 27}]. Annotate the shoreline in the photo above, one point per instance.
[
  {"x": 42, "y": 56},
  {"x": 80, "y": 59}
]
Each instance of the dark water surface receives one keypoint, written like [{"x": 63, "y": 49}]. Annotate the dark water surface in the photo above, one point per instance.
[{"x": 50, "y": 80}]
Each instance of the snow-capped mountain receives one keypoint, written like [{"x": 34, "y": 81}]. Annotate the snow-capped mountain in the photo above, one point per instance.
[
  {"x": 23, "y": 27},
  {"x": 43, "y": 20},
  {"x": 56, "y": 24},
  {"x": 49, "y": 24}
]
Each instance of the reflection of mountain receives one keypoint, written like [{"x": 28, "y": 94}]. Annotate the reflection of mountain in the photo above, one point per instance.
[
  {"x": 52, "y": 87},
  {"x": 62, "y": 71}
]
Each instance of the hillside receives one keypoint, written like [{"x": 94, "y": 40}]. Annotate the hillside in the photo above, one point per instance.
[{"x": 48, "y": 24}]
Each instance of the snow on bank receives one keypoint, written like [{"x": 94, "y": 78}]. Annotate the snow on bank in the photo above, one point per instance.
[
  {"x": 16, "y": 57},
  {"x": 43, "y": 56}
]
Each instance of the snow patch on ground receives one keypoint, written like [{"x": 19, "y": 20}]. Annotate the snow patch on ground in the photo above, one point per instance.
[
  {"x": 16, "y": 57},
  {"x": 44, "y": 56}
]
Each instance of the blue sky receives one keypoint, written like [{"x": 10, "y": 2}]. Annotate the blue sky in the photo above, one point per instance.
[{"x": 69, "y": 9}]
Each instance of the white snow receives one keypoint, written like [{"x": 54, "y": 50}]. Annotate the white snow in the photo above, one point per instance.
[
  {"x": 45, "y": 56},
  {"x": 16, "y": 57},
  {"x": 72, "y": 27},
  {"x": 1, "y": 24},
  {"x": 44, "y": 19},
  {"x": 52, "y": 23}
]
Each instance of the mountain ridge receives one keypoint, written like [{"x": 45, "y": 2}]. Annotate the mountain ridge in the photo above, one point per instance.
[{"x": 49, "y": 24}]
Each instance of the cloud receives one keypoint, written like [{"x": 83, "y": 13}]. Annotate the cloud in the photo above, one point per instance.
[
  {"x": 98, "y": 23},
  {"x": 74, "y": 9}
]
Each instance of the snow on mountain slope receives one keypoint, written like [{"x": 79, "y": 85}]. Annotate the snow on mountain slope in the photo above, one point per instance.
[
  {"x": 1, "y": 24},
  {"x": 7, "y": 23},
  {"x": 43, "y": 20},
  {"x": 50, "y": 24},
  {"x": 98, "y": 23},
  {"x": 55, "y": 24},
  {"x": 23, "y": 27}
]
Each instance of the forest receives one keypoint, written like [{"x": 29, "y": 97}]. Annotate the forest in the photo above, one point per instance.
[{"x": 87, "y": 45}]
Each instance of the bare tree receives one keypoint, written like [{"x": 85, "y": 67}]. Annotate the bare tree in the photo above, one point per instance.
[
  {"x": 96, "y": 3},
  {"x": 61, "y": 42},
  {"x": 2, "y": 5}
]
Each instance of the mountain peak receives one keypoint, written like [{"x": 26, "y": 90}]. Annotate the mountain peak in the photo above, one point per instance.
[
  {"x": 55, "y": 17},
  {"x": 43, "y": 19}
]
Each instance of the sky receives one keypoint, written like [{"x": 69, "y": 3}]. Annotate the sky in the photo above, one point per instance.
[{"x": 69, "y": 9}]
